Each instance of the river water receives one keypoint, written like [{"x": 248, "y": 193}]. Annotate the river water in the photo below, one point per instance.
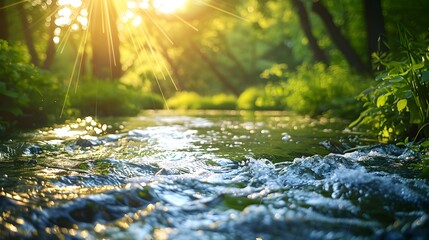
[{"x": 208, "y": 175}]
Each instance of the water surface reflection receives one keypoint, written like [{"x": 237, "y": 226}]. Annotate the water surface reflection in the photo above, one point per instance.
[{"x": 208, "y": 175}]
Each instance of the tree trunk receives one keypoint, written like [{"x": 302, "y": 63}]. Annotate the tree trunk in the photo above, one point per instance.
[
  {"x": 338, "y": 38},
  {"x": 304, "y": 20},
  {"x": 216, "y": 71},
  {"x": 4, "y": 29},
  {"x": 50, "y": 49},
  {"x": 374, "y": 21},
  {"x": 105, "y": 40},
  {"x": 28, "y": 34}
]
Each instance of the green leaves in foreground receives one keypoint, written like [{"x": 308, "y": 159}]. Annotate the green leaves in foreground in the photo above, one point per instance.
[
  {"x": 423, "y": 148},
  {"x": 398, "y": 105},
  {"x": 28, "y": 96}
]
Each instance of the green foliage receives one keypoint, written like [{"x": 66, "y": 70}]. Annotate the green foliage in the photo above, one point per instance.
[
  {"x": 255, "y": 98},
  {"x": 192, "y": 100},
  {"x": 423, "y": 149},
  {"x": 28, "y": 96},
  {"x": 184, "y": 100},
  {"x": 107, "y": 98},
  {"x": 311, "y": 89},
  {"x": 318, "y": 89},
  {"x": 247, "y": 99},
  {"x": 219, "y": 102},
  {"x": 401, "y": 98}
]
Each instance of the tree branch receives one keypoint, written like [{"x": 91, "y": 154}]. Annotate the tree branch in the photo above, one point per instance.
[
  {"x": 338, "y": 38},
  {"x": 306, "y": 27}
]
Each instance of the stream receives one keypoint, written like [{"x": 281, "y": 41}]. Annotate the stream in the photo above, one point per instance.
[{"x": 209, "y": 175}]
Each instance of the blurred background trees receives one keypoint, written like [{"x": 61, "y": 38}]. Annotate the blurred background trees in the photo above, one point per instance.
[
  {"x": 205, "y": 46},
  {"x": 246, "y": 50}
]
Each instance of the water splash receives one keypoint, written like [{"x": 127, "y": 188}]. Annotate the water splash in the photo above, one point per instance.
[{"x": 186, "y": 177}]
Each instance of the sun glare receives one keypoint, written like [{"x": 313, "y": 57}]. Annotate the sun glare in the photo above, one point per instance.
[
  {"x": 160, "y": 6},
  {"x": 168, "y": 6},
  {"x": 73, "y": 3}
]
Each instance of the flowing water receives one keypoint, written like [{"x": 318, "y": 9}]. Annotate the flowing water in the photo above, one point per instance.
[{"x": 208, "y": 175}]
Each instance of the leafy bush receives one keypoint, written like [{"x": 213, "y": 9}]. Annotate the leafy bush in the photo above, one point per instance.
[
  {"x": 107, "y": 98},
  {"x": 218, "y": 102},
  {"x": 192, "y": 100},
  {"x": 262, "y": 98},
  {"x": 184, "y": 100},
  {"x": 400, "y": 100},
  {"x": 248, "y": 99},
  {"x": 311, "y": 89},
  {"x": 28, "y": 96},
  {"x": 318, "y": 89}
]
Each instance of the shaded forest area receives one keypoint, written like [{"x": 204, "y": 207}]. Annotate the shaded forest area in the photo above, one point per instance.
[{"x": 364, "y": 60}]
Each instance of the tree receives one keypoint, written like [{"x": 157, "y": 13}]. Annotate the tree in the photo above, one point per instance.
[
  {"x": 338, "y": 38},
  {"x": 106, "y": 62},
  {"x": 214, "y": 69},
  {"x": 173, "y": 65},
  {"x": 28, "y": 34},
  {"x": 4, "y": 30},
  {"x": 374, "y": 21},
  {"x": 50, "y": 49},
  {"x": 319, "y": 54}
]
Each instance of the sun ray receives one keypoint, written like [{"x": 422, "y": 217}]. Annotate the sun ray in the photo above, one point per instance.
[
  {"x": 161, "y": 29},
  {"x": 14, "y": 4},
  {"x": 153, "y": 67},
  {"x": 81, "y": 52},
  {"x": 168, "y": 6},
  {"x": 112, "y": 55},
  {"x": 221, "y": 10},
  {"x": 63, "y": 43},
  {"x": 150, "y": 53},
  {"x": 186, "y": 22},
  {"x": 143, "y": 39},
  {"x": 153, "y": 53},
  {"x": 169, "y": 76},
  {"x": 44, "y": 17},
  {"x": 77, "y": 66}
]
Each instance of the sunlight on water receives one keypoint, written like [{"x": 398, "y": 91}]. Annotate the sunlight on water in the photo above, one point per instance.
[{"x": 209, "y": 176}]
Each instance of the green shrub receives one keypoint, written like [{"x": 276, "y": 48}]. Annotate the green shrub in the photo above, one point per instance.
[
  {"x": 247, "y": 99},
  {"x": 192, "y": 100},
  {"x": 108, "y": 98},
  {"x": 318, "y": 89},
  {"x": 184, "y": 100},
  {"x": 259, "y": 98},
  {"x": 28, "y": 96},
  {"x": 400, "y": 100},
  {"x": 219, "y": 102},
  {"x": 311, "y": 89},
  {"x": 145, "y": 100}
]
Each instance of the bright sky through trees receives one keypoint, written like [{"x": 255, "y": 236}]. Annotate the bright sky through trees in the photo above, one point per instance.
[
  {"x": 73, "y": 13},
  {"x": 169, "y": 6}
]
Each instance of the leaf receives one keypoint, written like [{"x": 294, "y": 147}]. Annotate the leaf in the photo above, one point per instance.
[
  {"x": 401, "y": 105},
  {"x": 381, "y": 100},
  {"x": 381, "y": 76},
  {"x": 11, "y": 94},
  {"x": 396, "y": 79},
  {"x": 407, "y": 140},
  {"x": 417, "y": 66},
  {"x": 16, "y": 111},
  {"x": 425, "y": 76},
  {"x": 425, "y": 144}
]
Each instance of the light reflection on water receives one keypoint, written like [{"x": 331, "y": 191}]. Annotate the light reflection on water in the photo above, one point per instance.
[{"x": 208, "y": 175}]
